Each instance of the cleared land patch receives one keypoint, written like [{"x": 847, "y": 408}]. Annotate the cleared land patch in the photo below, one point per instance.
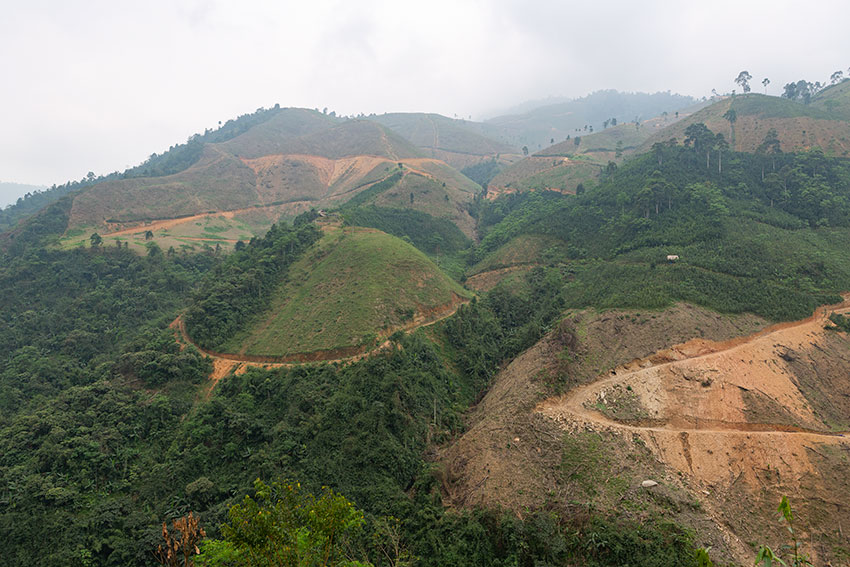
[{"x": 742, "y": 422}]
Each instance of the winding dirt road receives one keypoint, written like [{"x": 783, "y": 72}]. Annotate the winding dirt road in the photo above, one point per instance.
[
  {"x": 580, "y": 403},
  {"x": 225, "y": 363},
  {"x": 696, "y": 407}
]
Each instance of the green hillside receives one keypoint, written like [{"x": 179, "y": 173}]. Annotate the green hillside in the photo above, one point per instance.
[
  {"x": 109, "y": 428},
  {"x": 354, "y": 285},
  {"x": 546, "y": 173},
  {"x": 729, "y": 229},
  {"x": 834, "y": 100},
  {"x": 525, "y": 249}
]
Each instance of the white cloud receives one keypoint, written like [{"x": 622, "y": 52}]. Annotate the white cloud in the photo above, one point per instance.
[{"x": 100, "y": 85}]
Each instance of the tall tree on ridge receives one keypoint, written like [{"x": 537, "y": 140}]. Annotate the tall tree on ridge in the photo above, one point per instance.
[
  {"x": 743, "y": 79},
  {"x": 702, "y": 139}
]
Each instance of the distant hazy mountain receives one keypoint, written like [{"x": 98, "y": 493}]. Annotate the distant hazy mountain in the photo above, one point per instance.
[
  {"x": 10, "y": 192},
  {"x": 527, "y": 106},
  {"x": 553, "y": 122}
]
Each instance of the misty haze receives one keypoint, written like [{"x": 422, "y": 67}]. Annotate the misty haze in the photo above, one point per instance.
[{"x": 409, "y": 284}]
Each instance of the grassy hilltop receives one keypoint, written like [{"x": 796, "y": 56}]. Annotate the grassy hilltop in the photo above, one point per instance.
[{"x": 352, "y": 286}]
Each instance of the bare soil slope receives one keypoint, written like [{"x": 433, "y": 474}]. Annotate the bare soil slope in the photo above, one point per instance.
[
  {"x": 724, "y": 426},
  {"x": 293, "y": 162},
  {"x": 798, "y": 126}
]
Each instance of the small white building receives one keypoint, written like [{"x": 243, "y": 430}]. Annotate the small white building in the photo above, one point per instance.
[{"x": 672, "y": 257}]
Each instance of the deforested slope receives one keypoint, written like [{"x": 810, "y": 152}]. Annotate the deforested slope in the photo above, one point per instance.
[
  {"x": 582, "y": 157},
  {"x": 798, "y": 126},
  {"x": 348, "y": 138},
  {"x": 539, "y": 127},
  {"x": 293, "y": 161}
]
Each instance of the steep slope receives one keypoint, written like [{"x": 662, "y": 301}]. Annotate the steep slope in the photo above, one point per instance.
[
  {"x": 564, "y": 165},
  {"x": 514, "y": 258},
  {"x": 798, "y": 126},
  {"x": 11, "y": 192},
  {"x": 724, "y": 428},
  {"x": 218, "y": 182},
  {"x": 835, "y": 100},
  {"x": 743, "y": 422},
  {"x": 354, "y": 286},
  {"x": 349, "y": 138},
  {"x": 285, "y": 126},
  {"x": 513, "y": 455},
  {"x": 294, "y": 161},
  {"x": 580, "y": 159}
]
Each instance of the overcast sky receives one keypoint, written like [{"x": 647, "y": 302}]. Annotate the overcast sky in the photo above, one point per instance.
[{"x": 100, "y": 85}]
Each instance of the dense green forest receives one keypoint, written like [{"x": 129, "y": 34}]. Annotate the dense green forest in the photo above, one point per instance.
[
  {"x": 430, "y": 234},
  {"x": 108, "y": 428},
  {"x": 762, "y": 233},
  {"x": 242, "y": 285}
]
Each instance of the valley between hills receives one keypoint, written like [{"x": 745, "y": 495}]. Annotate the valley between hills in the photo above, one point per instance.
[{"x": 562, "y": 337}]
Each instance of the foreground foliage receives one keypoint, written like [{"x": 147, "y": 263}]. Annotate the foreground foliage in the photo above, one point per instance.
[{"x": 282, "y": 526}]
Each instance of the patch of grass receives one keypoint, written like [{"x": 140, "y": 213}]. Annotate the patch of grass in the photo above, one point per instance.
[
  {"x": 524, "y": 249},
  {"x": 622, "y": 404},
  {"x": 584, "y": 461},
  {"x": 376, "y": 189},
  {"x": 351, "y": 285}
]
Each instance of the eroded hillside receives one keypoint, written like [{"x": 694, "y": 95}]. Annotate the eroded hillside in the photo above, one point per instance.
[
  {"x": 724, "y": 419},
  {"x": 294, "y": 161}
]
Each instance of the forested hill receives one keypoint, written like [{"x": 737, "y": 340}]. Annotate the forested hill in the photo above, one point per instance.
[
  {"x": 732, "y": 218},
  {"x": 110, "y": 426}
]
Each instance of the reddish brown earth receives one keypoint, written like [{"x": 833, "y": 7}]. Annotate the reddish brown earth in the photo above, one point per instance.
[
  {"x": 726, "y": 425},
  {"x": 693, "y": 406},
  {"x": 171, "y": 223}
]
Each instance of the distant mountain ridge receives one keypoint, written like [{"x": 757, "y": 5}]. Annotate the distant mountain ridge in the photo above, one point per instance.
[
  {"x": 541, "y": 126},
  {"x": 11, "y": 192},
  {"x": 743, "y": 120}
]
